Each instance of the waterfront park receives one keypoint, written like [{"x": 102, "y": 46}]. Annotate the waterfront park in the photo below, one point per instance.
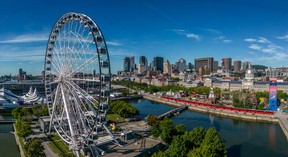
[{"x": 80, "y": 118}]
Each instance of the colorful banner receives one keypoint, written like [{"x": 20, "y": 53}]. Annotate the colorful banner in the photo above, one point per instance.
[{"x": 273, "y": 94}]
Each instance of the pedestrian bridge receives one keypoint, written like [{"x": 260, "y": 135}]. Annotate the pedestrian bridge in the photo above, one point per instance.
[{"x": 173, "y": 112}]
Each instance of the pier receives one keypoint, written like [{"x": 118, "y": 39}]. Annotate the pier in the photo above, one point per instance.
[{"x": 175, "y": 111}]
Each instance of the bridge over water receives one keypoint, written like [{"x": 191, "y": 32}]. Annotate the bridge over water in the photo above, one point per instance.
[{"x": 172, "y": 112}]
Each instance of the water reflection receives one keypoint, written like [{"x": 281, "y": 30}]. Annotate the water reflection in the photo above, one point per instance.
[{"x": 242, "y": 138}]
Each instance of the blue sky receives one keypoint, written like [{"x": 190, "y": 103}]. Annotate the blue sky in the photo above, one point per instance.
[{"x": 251, "y": 30}]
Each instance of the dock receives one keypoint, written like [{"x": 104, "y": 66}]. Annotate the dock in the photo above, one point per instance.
[{"x": 7, "y": 121}]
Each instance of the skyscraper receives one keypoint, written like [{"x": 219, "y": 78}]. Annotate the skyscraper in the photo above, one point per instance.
[
  {"x": 237, "y": 66},
  {"x": 182, "y": 64},
  {"x": 143, "y": 60},
  {"x": 126, "y": 65},
  {"x": 132, "y": 64},
  {"x": 190, "y": 66},
  {"x": 167, "y": 68},
  {"x": 226, "y": 64},
  {"x": 158, "y": 64},
  {"x": 143, "y": 63},
  {"x": 201, "y": 62},
  {"x": 215, "y": 66}
]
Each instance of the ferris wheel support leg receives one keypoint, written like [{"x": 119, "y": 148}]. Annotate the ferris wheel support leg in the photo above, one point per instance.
[
  {"x": 53, "y": 110},
  {"x": 68, "y": 115},
  {"x": 114, "y": 139}
]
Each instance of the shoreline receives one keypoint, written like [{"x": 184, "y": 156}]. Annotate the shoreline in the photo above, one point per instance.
[{"x": 255, "y": 118}]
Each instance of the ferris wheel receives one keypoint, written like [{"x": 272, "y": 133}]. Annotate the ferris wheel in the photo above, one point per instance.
[{"x": 77, "y": 81}]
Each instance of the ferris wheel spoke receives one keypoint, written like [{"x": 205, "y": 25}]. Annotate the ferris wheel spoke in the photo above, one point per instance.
[
  {"x": 80, "y": 112},
  {"x": 85, "y": 64},
  {"x": 86, "y": 79},
  {"x": 67, "y": 110},
  {"x": 91, "y": 101}
]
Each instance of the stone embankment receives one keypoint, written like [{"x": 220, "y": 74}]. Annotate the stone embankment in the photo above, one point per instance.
[{"x": 278, "y": 117}]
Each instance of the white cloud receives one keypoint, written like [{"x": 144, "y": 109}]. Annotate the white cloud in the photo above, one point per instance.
[
  {"x": 227, "y": 41},
  {"x": 222, "y": 39},
  {"x": 258, "y": 40},
  {"x": 22, "y": 54},
  {"x": 263, "y": 40},
  {"x": 269, "y": 52},
  {"x": 255, "y": 47},
  {"x": 284, "y": 37},
  {"x": 193, "y": 36},
  {"x": 186, "y": 33},
  {"x": 250, "y": 40},
  {"x": 26, "y": 38},
  {"x": 114, "y": 43}
]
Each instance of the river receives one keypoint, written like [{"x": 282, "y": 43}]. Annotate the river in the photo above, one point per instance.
[
  {"x": 242, "y": 138},
  {"x": 8, "y": 146}
]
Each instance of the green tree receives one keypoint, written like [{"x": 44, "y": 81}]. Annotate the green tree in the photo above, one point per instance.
[
  {"x": 124, "y": 109},
  {"x": 16, "y": 113},
  {"x": 177, "y": 147},
  {"x": 180, "y": 129},
  {"x": 44, "y": 111},
  {"x": 212, "y": 145},
  {"x": 167, "y": 130},
  {"x": 160, "y": 154},
  {"x": 34, "y": 148},
  {"x": 23, "y": 128},
  {"x": 36, "y": 111},
  {"x": 195, "y": 153},
  {"x": 152, "y": 120},
  {"x": 195, "y": 137},
  {"x": 155, "y": 131},
  {"x": 26, "y": 111}
]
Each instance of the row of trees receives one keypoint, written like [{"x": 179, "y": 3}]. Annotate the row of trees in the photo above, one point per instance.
[
  {"x": 181, "y": 143},
  {"x": 23, "y": 116},
  {"x": 27, "y": 112},
  {"x": 123, "y": 108}
]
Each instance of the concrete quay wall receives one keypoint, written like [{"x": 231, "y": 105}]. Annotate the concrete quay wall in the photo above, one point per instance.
[{"x": 256, "y": 118}]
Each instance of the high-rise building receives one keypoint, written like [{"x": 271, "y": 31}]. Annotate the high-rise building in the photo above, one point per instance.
[
  {"x": 215, "y": 66},
  {"x": 126, "y": 65},
  {"x": 201, "y": 62},
  {"x": 226, "y": 64},
  {"x": 245, "y": 65},
  {"x": 141, "y": 69},
  {"x": 237, "y": 66},
  {"x": 143, "y": 63},
  {"x": 158, "y": 64},
  {"x": 204, "y": 71},
  {"x": 190, "y": 66},
  {"x": 182, "y": 64},
  {"x": 167, "y": 67},
  {"x": 143, "y": 60},
  {"x": 21, "y": 75},
  {"x": 132, "y": 64}
]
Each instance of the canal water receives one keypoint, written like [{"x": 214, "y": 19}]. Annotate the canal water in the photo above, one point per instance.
[
  {"x": 242, "y": 138},
  {"x": 8, "y": 146}
]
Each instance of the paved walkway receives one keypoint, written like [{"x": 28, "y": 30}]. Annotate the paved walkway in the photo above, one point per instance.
[
  {"x": 283, "y": 117},
  {"x": 47, "y": 150}
]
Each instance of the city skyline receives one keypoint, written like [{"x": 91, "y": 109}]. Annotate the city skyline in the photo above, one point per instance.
[{"x": 242, "y": 30}]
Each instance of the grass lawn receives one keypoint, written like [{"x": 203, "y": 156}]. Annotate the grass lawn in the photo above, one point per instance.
[
  {"x": 59, "y": 147},
  {"x": 115, "y": 118}
]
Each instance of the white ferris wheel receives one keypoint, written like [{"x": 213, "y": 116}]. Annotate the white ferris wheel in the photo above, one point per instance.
[{"x": 77, "y": 82}]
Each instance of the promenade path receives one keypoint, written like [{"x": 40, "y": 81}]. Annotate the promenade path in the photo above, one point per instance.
[{"x": 283, "y": 121}]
